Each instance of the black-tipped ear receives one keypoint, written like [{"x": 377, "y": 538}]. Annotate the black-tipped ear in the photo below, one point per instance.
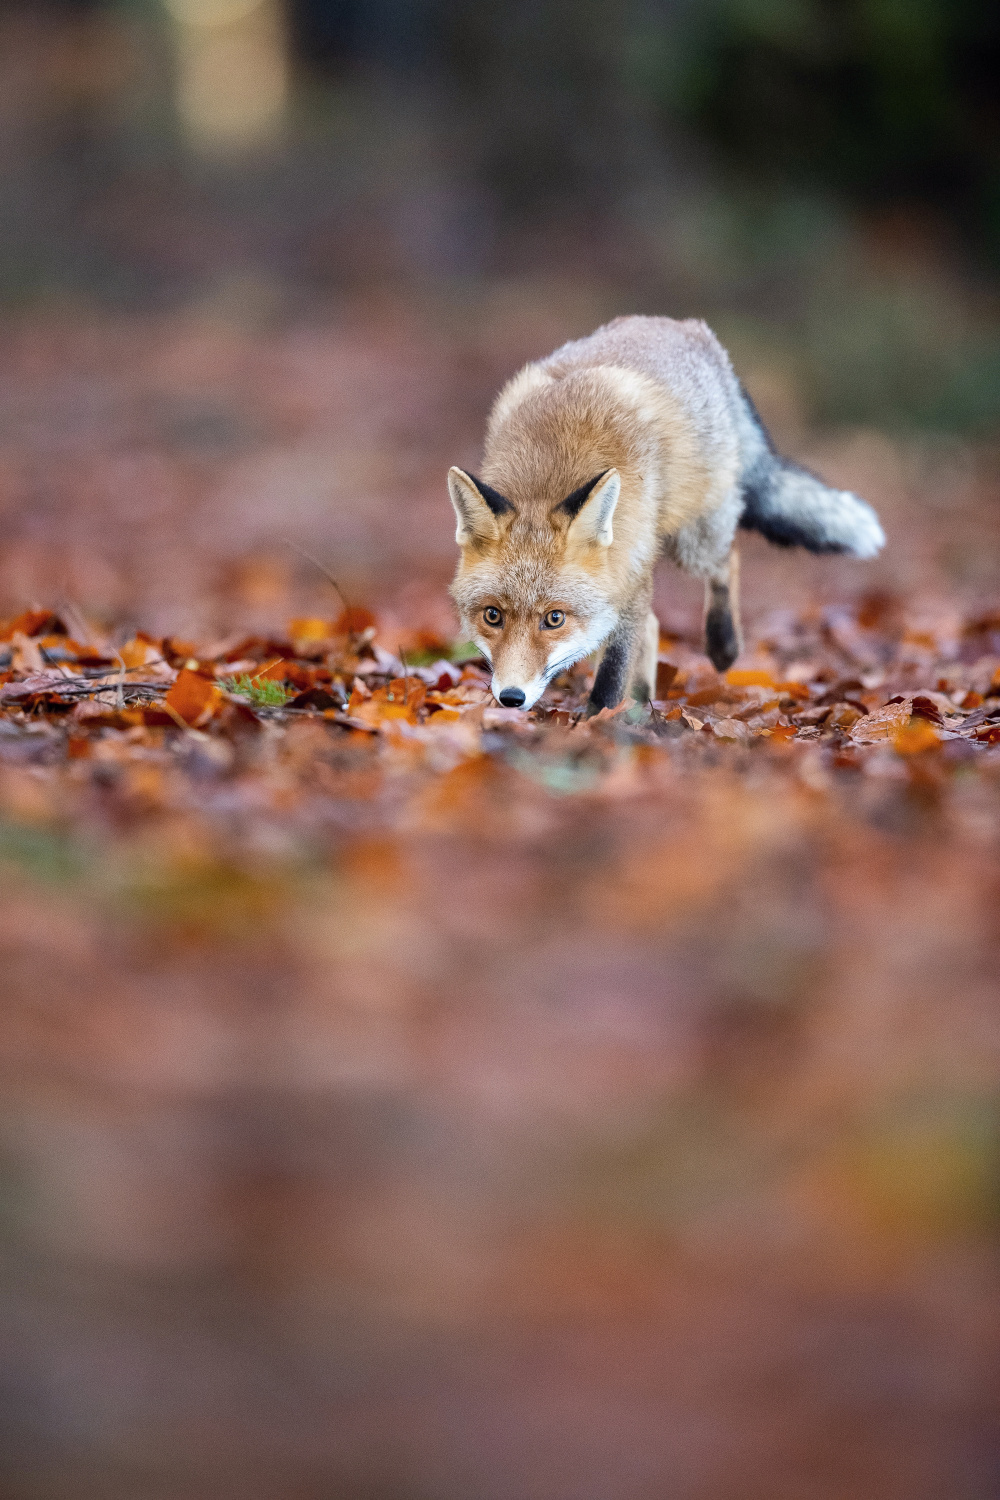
[
  {"x": 498, "y": 504},
  {"x": 574, "y": 503},
  {"x": 477, "y": 507},
  {"x": 594, "y": 506}
]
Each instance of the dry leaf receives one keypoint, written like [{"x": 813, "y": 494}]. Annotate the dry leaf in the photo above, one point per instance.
[
  {"x": 194, "y": 698},
  {"x": 882, "y": 726},
  {"x": 914, "y": 737}
]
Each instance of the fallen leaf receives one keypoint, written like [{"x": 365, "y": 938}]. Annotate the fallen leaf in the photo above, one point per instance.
[
  {"x": 33, "y": 622},
  {"x": 302, "y": 631},
  {"x": 194, "y": 698},
  {"x": 666, "y": 673},
  {"x": 354, "y": 621},
  {"x": 730, "y": 729},
  {"x": 881, "y": 726},
  {"x": 139, "y": 651},
  {"x": 400, "y": 699},
  {"x": 914, "y": 737}
]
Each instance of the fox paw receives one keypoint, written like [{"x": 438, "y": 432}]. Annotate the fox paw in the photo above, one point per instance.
[{"x": 722, "y": 643}]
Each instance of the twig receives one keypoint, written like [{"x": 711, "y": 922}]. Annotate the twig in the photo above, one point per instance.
[
  {"x": 122, "y": 669},
  {"x": 327, "y": 575},
  {"x": 406, "y": 679},
  {"x": 73, "y": 687}
]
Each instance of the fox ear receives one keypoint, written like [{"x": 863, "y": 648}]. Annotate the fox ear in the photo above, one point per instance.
[
  {"x": 477, "y": 506},
  {"x": 591, "y": 507}
]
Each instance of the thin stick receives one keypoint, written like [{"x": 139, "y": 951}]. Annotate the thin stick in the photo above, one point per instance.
[
  {"x": 122, "y": 669},
  {"x": 327, "y": 575},
  {"x": 406, "y": 678}
]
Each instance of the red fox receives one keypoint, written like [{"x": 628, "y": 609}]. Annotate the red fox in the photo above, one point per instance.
[{"x": 634, "y": 442}]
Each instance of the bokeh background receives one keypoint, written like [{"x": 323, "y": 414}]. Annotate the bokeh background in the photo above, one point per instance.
[
  {"x": 264, "y": 265},
  {"x": 371, "y": 1144}
]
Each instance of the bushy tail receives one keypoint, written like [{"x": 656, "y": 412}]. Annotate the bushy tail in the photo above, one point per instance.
[
  {"x": 792, "y": 508},
  {"x": 795, "y": 509}
]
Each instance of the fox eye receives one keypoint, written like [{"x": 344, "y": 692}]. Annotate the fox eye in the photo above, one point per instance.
[
  {"x": 553, "y": 619},
  {"x": 492, "y": 615}
]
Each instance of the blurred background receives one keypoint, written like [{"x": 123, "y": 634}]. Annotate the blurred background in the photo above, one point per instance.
[
  {"x": 359, "y": 1145},
  {"x": 263, "y": 265}
]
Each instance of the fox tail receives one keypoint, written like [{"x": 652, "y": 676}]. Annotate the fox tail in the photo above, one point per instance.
[{"x": 793, "y": 508}]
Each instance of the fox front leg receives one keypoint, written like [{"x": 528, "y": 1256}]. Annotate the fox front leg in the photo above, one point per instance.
[
  {"x": 644, "y": 678},
  {"x": 623, "y": 662}
]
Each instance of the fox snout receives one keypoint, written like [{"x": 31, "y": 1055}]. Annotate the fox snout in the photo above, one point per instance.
[{"x": 517, "y": 685}]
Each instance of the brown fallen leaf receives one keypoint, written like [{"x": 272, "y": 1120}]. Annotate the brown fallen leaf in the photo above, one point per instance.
[
  {"x": 730, "y": 729},
  {"x": 881, "y": 726},
  {"x": 34, "y": 686}
]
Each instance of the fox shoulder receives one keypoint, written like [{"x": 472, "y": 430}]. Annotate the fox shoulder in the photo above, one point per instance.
[{"x": 520, "y": 386}]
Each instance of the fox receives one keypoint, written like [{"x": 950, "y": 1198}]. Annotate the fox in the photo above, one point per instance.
[{"x": 633, "y": 443}]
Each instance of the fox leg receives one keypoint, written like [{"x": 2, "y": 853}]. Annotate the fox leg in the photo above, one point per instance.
[
  {"x": 644, "y": 676},
  {"x": 628, "y": 661},
  {"x": 723, "y": 640},
  {"x": 612, "y": 674},
  {"x": 704, "y": 548}
]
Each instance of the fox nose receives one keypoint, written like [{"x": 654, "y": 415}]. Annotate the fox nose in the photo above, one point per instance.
[{"x": 511, "y": 697}]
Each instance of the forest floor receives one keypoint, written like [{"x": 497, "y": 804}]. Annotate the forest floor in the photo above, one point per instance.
[{"x": 404, "y": 1096}]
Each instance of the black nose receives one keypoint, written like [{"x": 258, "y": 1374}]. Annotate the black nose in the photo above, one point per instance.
[{"x": 511, "y": 697}]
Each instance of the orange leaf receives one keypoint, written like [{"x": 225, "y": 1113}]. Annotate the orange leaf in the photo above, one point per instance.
[
  {"x": 33, "y": 622},
  {"x": 749, "y": 677},
  {"x": 176, "y": 653},
  {"x": 354, "y": 622},
  {"x": 194, "y": 698},
  {"x": 275, "y": 671},
  {"x": 137, "y": 652},
  {"x": 914, "y": 737},
  {"x": 310, "y": 628},
  {"x": 400, "y": 699}
]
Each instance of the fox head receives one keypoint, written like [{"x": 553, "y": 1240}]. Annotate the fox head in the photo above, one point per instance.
[{"x": 533, "y": 586}]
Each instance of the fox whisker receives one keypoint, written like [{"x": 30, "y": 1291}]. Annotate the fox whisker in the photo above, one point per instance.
[{"x": 559, "y": 666}]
